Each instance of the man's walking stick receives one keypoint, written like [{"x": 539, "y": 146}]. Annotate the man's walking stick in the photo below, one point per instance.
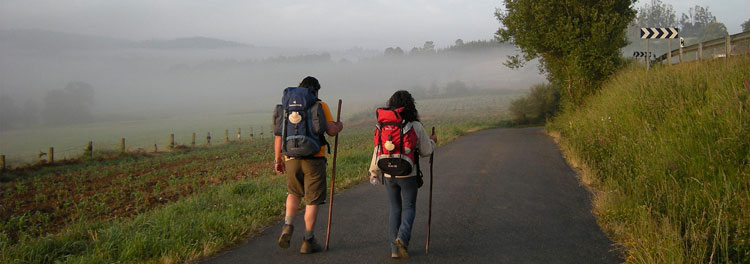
[
  {"x": 333, "y": 176},
  {"x": 429, "y": 215}
]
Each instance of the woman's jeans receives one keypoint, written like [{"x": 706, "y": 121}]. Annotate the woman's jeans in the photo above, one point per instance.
[{"x": 402, "y": 193}]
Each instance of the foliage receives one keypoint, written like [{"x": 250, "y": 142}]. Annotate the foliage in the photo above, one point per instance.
[
  {"x": 428, "y": 48},
  {"x": 669, "y": 156},
  {"x": 745, "y": 26},
  {"x": 699, "y": 23},
  {"x": 472, "y": 46},
  {"x": 394, "y": 51},
  {"x": 69, "y": 105},
  {"x": 577, "y": 42},
  {"x": 656, "y": 14},
  {"x": 540, "y": 104},
  {"x": 14, "y": 116}
]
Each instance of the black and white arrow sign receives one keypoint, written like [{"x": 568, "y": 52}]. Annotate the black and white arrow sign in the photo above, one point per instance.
[
  {"x": 659, "y": 33},
  {"x": 641, "y": 54}
]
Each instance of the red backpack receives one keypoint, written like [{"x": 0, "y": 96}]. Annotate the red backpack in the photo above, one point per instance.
[{"x": 395, "y": 142}]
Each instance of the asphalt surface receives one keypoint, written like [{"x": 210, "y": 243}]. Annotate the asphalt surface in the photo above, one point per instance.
[{"x": 500, "y": 196}]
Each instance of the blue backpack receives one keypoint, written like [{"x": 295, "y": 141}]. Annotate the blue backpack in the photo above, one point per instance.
[{"x": 301, "y": 122}]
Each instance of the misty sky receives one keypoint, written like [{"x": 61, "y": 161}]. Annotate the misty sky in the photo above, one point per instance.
[{"x": 286, "y": 23}]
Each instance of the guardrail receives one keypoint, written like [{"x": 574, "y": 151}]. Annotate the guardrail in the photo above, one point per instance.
[{"x": 698, "y": 48}]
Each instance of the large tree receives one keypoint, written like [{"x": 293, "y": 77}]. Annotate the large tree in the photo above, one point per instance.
[
  {"x": 701, "y": 25},
  {"x": 578, "y": 42},
  {"x": 656, "y": 14}
]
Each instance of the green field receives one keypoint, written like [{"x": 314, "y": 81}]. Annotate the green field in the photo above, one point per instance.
[
  {"x": 669, "y": 152},
  {"x": 133, "y": 208},
  {"x": 22, "y": 146}
]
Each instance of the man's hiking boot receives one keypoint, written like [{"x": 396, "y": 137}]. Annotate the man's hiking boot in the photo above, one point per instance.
[
  {"x": 309, "y": 246},
  {"x": 286, "y": 235},
  {"x": 394, "y": 255},
  {"x": 402, "y": 253}
]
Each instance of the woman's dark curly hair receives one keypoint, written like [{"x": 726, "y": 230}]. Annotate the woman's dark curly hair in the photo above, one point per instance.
[{"x": 404, "y": 99}]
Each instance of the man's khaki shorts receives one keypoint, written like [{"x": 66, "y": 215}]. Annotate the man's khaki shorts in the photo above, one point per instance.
[{"x": 307, "y": 178}]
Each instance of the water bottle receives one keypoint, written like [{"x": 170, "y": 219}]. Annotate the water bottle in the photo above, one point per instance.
[{"x": 374, "y": 180}]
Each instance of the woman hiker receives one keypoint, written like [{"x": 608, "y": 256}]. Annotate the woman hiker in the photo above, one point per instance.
[{"x": 402, "y": 190}]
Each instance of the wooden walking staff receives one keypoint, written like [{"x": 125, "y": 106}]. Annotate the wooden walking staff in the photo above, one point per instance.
[
  {"x": 333, "y": 176},
  {"x": 429, "y": 214}
]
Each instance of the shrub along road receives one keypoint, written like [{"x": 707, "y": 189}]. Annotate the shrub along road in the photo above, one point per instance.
[{"x": 500, "y": 196}]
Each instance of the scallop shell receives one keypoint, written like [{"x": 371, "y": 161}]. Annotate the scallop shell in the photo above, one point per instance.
[
  {"x": 295, "y": 118},
  {"x": 389, "y": 145}
]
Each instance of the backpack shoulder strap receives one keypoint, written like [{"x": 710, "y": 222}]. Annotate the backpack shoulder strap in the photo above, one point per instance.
[{"x": 323, "y": 139}]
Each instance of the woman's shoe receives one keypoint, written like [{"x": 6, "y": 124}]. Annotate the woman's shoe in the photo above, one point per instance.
[{"x": 401, "y": 246}]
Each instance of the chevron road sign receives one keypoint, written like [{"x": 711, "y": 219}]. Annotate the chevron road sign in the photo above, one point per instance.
[
  {"x": 641, "y": 54},
  {"x": 659, "y": 33}
]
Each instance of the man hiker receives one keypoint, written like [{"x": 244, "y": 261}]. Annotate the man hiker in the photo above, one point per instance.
[{"x": 296, "y": 145}]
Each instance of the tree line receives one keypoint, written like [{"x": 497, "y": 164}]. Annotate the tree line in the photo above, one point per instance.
[
  {"x": 428, "y": 48},
  {"x": 71, "y": 104}
]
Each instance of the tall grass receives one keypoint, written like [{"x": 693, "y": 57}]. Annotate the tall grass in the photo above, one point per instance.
[{"x": 668, "y": 150}]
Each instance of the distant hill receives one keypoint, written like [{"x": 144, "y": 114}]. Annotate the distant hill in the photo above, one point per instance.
[
  {"x": 190, "y": 43},
  {"x": 35, "y": 39}
]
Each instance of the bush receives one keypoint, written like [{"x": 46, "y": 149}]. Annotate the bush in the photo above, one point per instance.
[{"x": 540, "y": 103}]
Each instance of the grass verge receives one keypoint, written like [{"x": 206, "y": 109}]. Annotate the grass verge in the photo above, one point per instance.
[{"x": 668, "y": 151}]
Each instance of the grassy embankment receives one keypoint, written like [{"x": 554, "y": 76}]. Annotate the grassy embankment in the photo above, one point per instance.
[
  {"x": 668, "y": 152},
  {"x": 179, "y": 206}
]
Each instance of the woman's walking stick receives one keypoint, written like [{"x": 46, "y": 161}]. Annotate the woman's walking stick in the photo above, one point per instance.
[
  {"x": 429, "y": 215},
  {"x": 333, "y": 176}
]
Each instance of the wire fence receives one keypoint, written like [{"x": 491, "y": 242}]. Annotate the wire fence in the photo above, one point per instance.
[{"x": 144, "y": 143}]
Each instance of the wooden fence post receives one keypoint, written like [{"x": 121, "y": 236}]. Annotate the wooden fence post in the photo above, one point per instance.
[
  {"x": 192, "y": 143},
  {"x": 2, "y": 162},
  {"x": 90, "y": 149},
  {"x": 239, "y": 134},
  {"x": 51, "y": 155},
  {"x": 122, "y": 145},
  {"x": 251, "y": 133},
  {"x": 156, "y": 149},
  {"x": 261, "y": 132},
  {"x": 700, "y": 51},
  {"x": 681, "y": 53},
  {"x": 171, "y": 141},
  {"x": 208, "y": 138},
  {"x": 226, "y": 136}
]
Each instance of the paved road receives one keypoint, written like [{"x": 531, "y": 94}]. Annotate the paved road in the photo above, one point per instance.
[{"x": 500, "y": 196}]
